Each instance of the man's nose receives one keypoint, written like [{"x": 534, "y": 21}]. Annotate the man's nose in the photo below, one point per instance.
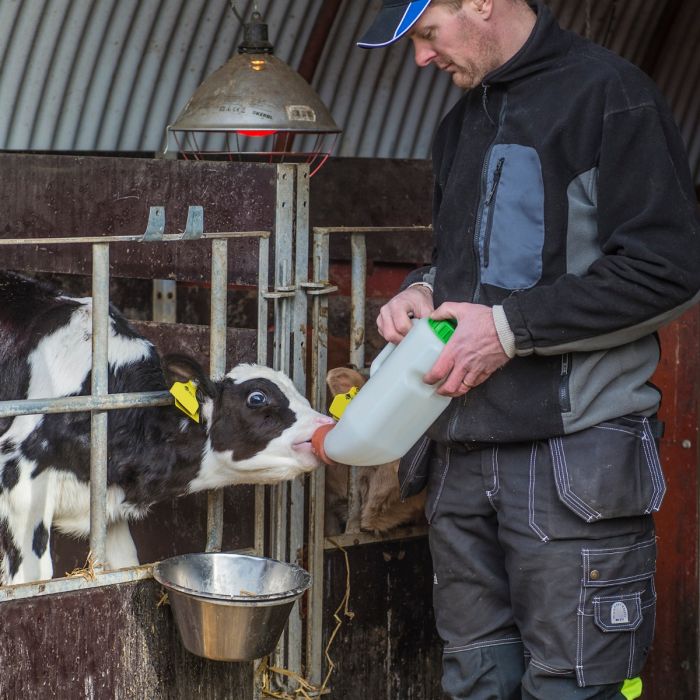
[{"x": 424, "y": 55}]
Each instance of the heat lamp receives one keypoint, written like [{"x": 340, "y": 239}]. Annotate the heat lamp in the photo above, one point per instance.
[{"x": 255, "y": 108}]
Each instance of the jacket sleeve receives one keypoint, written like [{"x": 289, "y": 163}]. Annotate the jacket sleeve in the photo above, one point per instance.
[{"x": 649, "y": 233}]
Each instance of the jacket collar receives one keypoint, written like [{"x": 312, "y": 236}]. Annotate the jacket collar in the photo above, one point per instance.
[{"x": 546, "y": 44}]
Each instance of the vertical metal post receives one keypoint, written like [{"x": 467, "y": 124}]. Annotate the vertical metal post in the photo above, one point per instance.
[
  {"x": 358, "y": 292},
  {"x": 357, "y": 358},
  {"x": 284, "y": 235},
  {"x": 319, "y": 362},
  {"x": 217, "y": 369},
  {"x": 298, "y": 374},
  {"x": 263, "y": 277},
  {"x": 98, "y": 419}
]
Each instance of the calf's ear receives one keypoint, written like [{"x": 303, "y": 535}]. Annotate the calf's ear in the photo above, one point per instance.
[
  {"x": 341, "y": 379},
  {"x": 181, "y": 368}
]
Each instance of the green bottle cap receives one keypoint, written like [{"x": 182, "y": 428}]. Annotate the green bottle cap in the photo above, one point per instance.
[{"x": 442, "y": 329}]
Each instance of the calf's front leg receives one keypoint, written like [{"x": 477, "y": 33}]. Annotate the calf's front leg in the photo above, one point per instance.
[{"x": 121, "y": 550}]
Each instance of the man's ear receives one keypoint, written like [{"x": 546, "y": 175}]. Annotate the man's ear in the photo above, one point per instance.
[
  {"x": 483, "y": 8},
  {"x": 181, "y": 368}
]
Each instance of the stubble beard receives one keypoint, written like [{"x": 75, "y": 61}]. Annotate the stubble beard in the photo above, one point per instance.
[{"x": 472, "y": 73}]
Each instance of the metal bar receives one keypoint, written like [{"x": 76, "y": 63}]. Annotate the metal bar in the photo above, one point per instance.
[
  {"x": 100, "y": 387},
  {"x": 82, "y": 580},
  {"x": 263, "y": 309},
  {"x": 167, "y": 238},
  {"x": 357, "y": 357},
  {"x": 217, "y": 369},
  {"x": 324, "y": 230},
  {"x": 77, "y": 582},
  {"x": 75, "y": 404},
  {"x": 284, "y": 234},
  {"x": 299, "y": 312},
  {"x": 319, "y": 361},
  {"x": 358, "y": 297},
  {"x": 358, "y": 538}
]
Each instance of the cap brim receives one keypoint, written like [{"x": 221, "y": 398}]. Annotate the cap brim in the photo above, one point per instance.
[{"x": 391, "y": 24}]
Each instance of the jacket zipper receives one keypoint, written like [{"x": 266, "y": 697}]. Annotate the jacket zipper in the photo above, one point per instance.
[
  {"x": 489, "y": 202},
  {"x": 484, "y": 173},
  {"x": 564, "y": 397}
]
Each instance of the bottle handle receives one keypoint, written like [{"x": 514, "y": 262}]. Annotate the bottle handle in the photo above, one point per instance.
[
  {"x": 386, "y": 351},
  {"x": 379, "y": 359}
]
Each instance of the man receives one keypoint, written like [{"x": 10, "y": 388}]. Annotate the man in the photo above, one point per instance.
[{"x": 566, "y": 233}]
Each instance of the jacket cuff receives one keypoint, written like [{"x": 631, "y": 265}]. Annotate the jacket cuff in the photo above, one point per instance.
[
  {"x": 422, "y": 274},
  {"x": 421, "y": 284},
  {"x": 505, "y": 334},
  {"x": 524, "y": 346}
]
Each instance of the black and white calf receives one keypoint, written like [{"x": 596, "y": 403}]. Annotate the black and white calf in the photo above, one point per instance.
[{"x": 254, "y": 428}]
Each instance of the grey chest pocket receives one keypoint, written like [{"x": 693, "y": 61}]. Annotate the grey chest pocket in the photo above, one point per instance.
[{"x": 511, "y": 229}]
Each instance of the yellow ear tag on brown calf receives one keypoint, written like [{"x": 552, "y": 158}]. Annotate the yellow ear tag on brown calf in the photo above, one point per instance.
[
  {"x": 185, "y": 394},
  {"x": 340, "y": 403}
]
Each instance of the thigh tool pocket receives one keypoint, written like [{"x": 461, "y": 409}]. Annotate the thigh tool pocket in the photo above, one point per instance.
[
  {"x": 616, "y": 612},
  {"x": 611, "y": 470},
  {"x": 414, "y": 467}
]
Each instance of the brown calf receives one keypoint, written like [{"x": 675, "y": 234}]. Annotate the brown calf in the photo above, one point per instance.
[{"x": 382, "y": 509}]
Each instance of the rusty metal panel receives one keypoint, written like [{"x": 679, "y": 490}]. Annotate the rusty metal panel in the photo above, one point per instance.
[
  {"x": 182, "y": 338},
  {"x": 110, "y": 642},
  {"x": 375, "y": 192},
  {"x": 62, "y": 196},
  {"x": 673, "y": 665},
  {"x": 389, "y": 649}
]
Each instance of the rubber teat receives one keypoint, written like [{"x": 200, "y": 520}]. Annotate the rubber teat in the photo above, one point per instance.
[{"x": 317, "y": 440}]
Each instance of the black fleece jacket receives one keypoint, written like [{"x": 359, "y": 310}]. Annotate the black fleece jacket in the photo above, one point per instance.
[{"x": 564, "y": 200}]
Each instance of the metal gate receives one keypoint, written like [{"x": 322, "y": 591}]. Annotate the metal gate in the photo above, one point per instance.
[
  {"x": 283, "y": 520},
  {"x": 282, "y": 513}
]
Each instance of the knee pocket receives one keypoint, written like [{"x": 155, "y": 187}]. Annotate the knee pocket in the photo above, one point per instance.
[{"x": 616, "y": 612}]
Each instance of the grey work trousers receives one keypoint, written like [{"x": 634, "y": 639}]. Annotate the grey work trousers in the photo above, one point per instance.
[{"x": 544, "y": 557}]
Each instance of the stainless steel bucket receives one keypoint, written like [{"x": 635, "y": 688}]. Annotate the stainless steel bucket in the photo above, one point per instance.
[{"x": 230, "y": 607}]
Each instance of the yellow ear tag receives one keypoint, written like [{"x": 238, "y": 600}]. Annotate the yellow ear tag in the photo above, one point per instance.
[
  {"x": 340, "y": 403},
  {"x": 185, "y": 394}
]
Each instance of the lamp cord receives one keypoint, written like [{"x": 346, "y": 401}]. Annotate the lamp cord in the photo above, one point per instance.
[{"x": 235, "y": 12}]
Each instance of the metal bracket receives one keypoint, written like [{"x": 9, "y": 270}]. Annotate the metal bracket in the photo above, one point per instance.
[
  {"x": 281, "y": 293},
  {"x": 156, "y": 224},
  {"x": 195, "y": 223},
  {"x": 317, "y": 289}
]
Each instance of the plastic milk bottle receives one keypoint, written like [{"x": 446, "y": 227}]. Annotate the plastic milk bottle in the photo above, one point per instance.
[{"x": 395, "y": 407}]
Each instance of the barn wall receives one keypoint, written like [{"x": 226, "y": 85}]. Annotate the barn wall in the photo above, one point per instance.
[{"x": 110, "y": 75}]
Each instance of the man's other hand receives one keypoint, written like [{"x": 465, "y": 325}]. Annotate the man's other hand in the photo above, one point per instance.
[{"x": 394, "y": 319}]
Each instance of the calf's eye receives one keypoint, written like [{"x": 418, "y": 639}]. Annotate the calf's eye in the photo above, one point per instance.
[{"x": 256, "y": 399}]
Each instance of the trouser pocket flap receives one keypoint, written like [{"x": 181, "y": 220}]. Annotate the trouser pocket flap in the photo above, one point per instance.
[
  {"x": 619, "y": 565},
  {"x": 618, "y": 613},
  {"x": 610, "y": 470}
]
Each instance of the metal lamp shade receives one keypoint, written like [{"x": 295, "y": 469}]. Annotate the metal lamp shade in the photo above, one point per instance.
[{"x": 255, "y": 92}]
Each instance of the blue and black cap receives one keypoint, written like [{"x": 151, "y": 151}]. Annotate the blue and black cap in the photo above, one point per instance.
[{"x": 393, "y": 21}]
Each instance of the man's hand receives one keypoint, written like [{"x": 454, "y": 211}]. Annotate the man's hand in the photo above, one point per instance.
[
  {"x": 473, "y": 353},
  {"x": 394, "y": 319}
]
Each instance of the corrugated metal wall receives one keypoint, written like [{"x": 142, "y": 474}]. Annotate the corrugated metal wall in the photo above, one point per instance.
[{"x": 109, "y": 75}]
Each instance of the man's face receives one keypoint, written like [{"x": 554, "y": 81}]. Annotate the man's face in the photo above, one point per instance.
[{"x": 458, "y": 43}]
